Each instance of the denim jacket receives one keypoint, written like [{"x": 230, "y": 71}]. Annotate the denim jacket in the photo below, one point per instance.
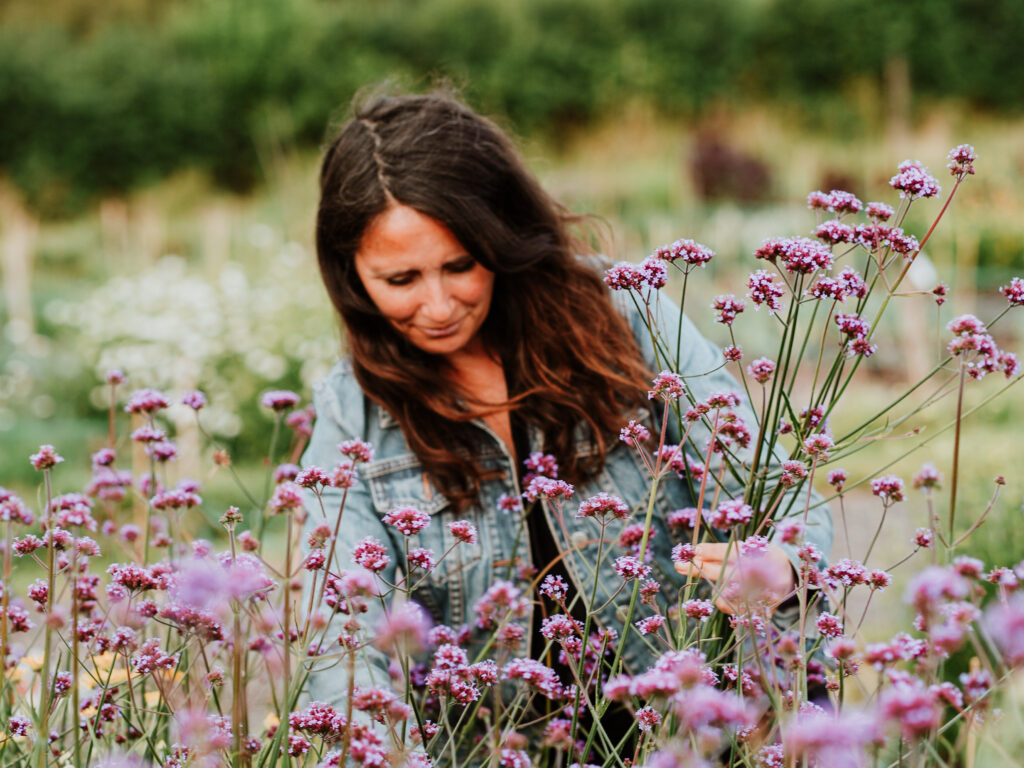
[{"x": 395, "y": 478}]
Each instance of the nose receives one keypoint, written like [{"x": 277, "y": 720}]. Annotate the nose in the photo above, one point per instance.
[{"x": 438, "y": 305}]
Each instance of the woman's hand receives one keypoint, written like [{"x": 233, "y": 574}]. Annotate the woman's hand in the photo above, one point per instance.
[{"x": 769, "y": 574}]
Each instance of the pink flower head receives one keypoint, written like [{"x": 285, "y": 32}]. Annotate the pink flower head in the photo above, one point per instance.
[
  {"x": 629, "y": 568},
  {"x": 634, "y": 432},
  {"x": 684, "y": 553},
  {"x": 541, "y": 487},
  {"x": 422, "y": 558},
  {"x": 902, "y": 243},
  {"x": 279, "y": 400},
  {"x": 175, "y": 498},
  {"x": 889, "y": 488},
  {"x": 732, "y": 353},
  {"x": 853, "y": 326},
  {"x": 913, "y": 181},
  {"x": 826, "y": 288},
  {"x": 924, "y": 538},
  {"x": 647, "y": 718},
  {"x": 841, "y": 202},
  {"x": 729, "y": 513},
  {"x": 879, "y": 211},
  {"x": 463, "y": 530},
  {"x": 407, "y": 520},
  {"x": 654, "y": 273},
  {"x": 852, "y": 283},
  {"x": 404, "y": 630},
  {"x": 623, "y": 277},
  {"x": 301, "y": 421},
  {"x": 344, "y": 474},
  {"x": 46, "y": 458},
  {"x": 933, "y": 586},
  {"x": 538, "y": 463},
  {"x": 501, "y": 599},
  {"x": 693, "y": 254},
  {"x": 834, "y": 232},
  {"x": 536, "y": 675},
  {"x": 792, "y": 473},
  {"x": 560, "y": 627},
  {"x": 961, "y": 160},
  {"x": 114, "y": 377},
  {"x": 928, "y": 478},
  {"x": 829, "y": 625},
  {"x": 818, "y": 445},
  {"x": 789, "y": 531},
  {"x": 1005, "y": 625},
  {"x": 667, "y": 385},
  {"x": 104, "y": 457},
  {"x": 818, "y": 200},
  {"x": 1014, "y": 292},
  {"x": 508, "y": 503},
  {"x": 698, "y": 610},
  {"x": 799, "y": 255},
  {"x": 846, "y": 573},
  {"x": 312, "y": 478},
  {"x": 146, "y": 401},
  {"x": 602, "y": 505},
  {"x": 287, "y": 498},
  {"x": 761, "y": 370},
  {"x": 554, "y": 587},
  {"x": 764, "y": 289},
  {"x": 358, "y": 451},
  {"x": 194, "y": 399},
  {"x": 371, "y": 554},
  {"x": 286, "y": 471},
  {"x": 913, "y": 707},
  {"x": 727, "y": 307}
]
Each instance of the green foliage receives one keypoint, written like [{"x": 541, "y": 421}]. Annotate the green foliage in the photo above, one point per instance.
[{"x": 105, "y": 103}]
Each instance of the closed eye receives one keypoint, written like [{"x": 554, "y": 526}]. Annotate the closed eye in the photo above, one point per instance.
[
  {"x": 461, "y": 265},
  {"x": 403, "y": 278}
]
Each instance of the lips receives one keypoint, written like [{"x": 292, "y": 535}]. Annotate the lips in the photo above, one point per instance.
[{"x": 441, "y": 332}]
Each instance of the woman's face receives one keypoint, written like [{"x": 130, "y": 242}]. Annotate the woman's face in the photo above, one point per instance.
[{"x": 423, "y": 281}]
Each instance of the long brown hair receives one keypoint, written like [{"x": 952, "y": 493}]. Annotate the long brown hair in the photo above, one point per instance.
[{"x": 569, "y": 357}]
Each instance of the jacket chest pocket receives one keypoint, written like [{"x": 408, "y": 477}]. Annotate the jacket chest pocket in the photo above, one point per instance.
[{"x": 400, "y": 481}]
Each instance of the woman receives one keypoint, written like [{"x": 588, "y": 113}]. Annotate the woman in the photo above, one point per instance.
[{"x": 479, "y": 338}]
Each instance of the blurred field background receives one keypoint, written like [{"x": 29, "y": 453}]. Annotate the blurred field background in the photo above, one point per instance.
[{"x": 158, "y": 165}]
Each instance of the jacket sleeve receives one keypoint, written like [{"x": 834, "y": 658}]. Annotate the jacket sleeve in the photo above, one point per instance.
[
  {"x": 328, "y": 678},
  {"x": 677, "y": 345}
]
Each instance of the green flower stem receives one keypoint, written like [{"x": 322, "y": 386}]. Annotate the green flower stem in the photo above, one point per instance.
[{"x": 955, "y": 474}]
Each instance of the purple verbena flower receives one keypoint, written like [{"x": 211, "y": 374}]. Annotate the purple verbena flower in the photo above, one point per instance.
[
  {"x": 889, "y": 488},
  {"x": 634, "y": 432},
  {"x": 146, "y": 401},
  {"x": 371, "y": 554},
  {"x": 629, "y": 568},
  {"x": 1014, "y": 292},
  {"x": 279, "y": 400},
  {"x": 961, "y": 160},
  {"x": 761, "y": 370},
  {"x": 764, "y": 289},
  {"x": 623, "y": 277},
  {"x": 602, "y": 505},
  {"x": 46, "y": 458},
  {"x": 914, "y": 181},
  {"x": 693, "y": 254},
  {"x": 407, "y": 520},
  {"x": 194, "y": 399},
  {"x": 727, "y": 307},
  {"x": 668, "y": 386}
]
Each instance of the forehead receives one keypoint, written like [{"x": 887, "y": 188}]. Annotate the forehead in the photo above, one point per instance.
[{"x": 402, "y": 237}]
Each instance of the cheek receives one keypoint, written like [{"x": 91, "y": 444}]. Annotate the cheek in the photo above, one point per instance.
[
  {"x": 394, "y": 305},
  {"x": 477, "y": 289}
]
